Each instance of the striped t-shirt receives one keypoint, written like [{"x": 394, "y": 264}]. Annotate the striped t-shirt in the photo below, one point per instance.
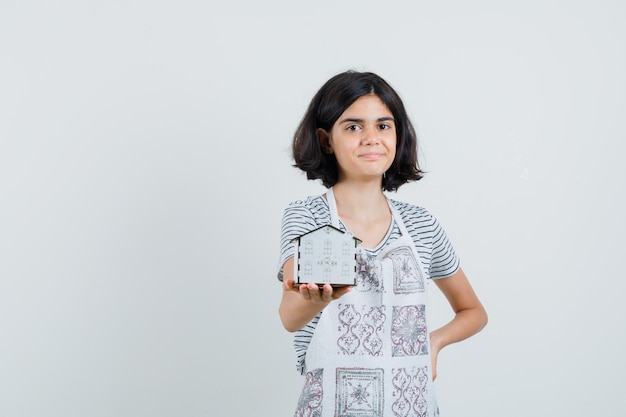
[{"x": 435, "y": 250}]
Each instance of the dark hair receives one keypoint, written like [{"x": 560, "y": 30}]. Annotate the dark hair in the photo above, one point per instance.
[{"x": 335, "y": 96}]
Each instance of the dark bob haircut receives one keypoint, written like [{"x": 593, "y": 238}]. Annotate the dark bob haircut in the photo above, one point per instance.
[{"x": 335, "y": 96}]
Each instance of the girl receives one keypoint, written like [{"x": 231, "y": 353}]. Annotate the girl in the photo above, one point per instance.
[{"x": 366, "y": 350}]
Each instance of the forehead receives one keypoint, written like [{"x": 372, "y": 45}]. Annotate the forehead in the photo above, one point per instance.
[{"x": 368, "y": 104}]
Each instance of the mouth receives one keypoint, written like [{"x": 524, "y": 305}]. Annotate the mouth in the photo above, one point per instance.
[{"x": 371, "y": 156}]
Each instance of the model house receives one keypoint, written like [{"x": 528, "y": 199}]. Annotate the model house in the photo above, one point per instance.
[{"x": 326, "y": 255}]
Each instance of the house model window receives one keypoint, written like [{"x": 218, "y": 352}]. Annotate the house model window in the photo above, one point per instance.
[{"x": 326, "y": 255}]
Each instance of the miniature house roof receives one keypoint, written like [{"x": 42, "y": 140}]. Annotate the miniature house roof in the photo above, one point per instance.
[{"x": 328, "y": 229}]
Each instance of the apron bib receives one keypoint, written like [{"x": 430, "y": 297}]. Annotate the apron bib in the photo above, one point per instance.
[{"x": 370, "y": 353}]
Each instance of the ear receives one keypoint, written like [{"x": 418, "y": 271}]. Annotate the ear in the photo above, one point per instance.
[{"x": 324, "y": 139}]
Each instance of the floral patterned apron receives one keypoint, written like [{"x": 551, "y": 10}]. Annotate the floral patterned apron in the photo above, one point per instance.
[{"x": 370, "y": 353}]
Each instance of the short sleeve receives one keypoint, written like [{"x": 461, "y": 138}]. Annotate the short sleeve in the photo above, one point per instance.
[{"x": 444, "y": 261}]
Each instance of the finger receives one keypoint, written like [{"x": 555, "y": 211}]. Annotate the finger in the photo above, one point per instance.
[
  {"x": 304, "y": 292},
  {"x": 314, "y": 291},
  {"x": 290, "y": 285},
  {"x": 294, "y": 287},
  {"x": 327, "y": 293}
]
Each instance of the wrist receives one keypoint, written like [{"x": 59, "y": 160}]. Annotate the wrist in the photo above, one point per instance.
[{"x": 436, "y": 343}]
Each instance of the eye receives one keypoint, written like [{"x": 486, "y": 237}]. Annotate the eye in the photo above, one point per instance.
[
  {"x": 353, "y": 128},
  {"x": 384, "y": 126}
]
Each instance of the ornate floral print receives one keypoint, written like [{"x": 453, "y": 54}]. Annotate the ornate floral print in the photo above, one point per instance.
[
  {"x": 410, "y": 392},
  {"x": 360, "y": 330},
  {"x": 368, "y": 272},
  {"x": 310, "y": 401},
  {"x": 359, "y": 392},
  {"x": 407, "y": 276},
  {"x": 408, "y": 331}
]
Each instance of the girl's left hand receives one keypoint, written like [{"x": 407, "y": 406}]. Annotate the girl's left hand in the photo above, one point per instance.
[{"x": 434, "y": 353}]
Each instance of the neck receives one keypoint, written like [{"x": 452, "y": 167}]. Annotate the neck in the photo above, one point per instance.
[{"x": 360, "y": 200}]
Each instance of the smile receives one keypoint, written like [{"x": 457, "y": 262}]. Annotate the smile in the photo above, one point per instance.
[{"x": 371, "y": 156}]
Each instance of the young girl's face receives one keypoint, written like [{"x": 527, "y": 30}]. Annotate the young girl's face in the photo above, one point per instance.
[{"x": 363, "y": 139}]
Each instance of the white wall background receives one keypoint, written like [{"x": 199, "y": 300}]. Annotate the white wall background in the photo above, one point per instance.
[{"x": 144, "y": 167}]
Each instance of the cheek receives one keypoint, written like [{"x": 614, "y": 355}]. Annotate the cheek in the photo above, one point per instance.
[
  {"x": 393, "y": 150},
  {"x": 392, "y": 144}
]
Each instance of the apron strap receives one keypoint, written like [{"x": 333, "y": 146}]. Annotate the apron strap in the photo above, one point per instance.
[
  {"x": 398, "y": 219},
  {"x": 332, "y": 205}
]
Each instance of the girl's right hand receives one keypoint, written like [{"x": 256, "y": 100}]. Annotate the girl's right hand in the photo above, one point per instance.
[
  {"x": 316, "y": 294},
  {"x": 301, "y": 303}
]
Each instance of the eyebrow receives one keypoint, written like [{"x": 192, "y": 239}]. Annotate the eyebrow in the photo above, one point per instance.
[{"x": 381, "y": 119}]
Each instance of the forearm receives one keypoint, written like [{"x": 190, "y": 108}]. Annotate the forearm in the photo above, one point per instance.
[
  {"x": 469, "y": 314},
  {"x": 465, "y": 323},
  {"x": 295, "y": 312}
]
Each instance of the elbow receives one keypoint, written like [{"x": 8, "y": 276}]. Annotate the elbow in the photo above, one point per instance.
[
  {"x": 288, "y": 325},
  {"x": 484, "y": 318},
  {"x": 289, "y": 328}
]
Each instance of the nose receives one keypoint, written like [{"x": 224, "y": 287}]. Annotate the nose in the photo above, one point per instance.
[{"x": 370, "y": 136}]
